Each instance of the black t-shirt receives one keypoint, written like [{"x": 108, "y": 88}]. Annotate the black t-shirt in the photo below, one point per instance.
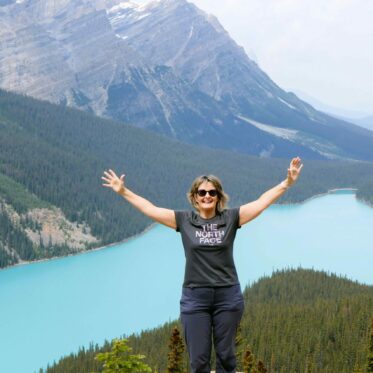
[{"x": 208, "y": 246}]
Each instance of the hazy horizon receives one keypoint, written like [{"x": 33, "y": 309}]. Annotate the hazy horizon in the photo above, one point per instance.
[{"x": 321, "y": 49}]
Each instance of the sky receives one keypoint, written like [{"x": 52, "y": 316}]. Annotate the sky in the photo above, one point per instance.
[{"x": 321, "y": 48}]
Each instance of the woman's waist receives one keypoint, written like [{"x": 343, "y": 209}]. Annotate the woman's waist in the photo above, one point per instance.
[{"x": 208, "y": 297}]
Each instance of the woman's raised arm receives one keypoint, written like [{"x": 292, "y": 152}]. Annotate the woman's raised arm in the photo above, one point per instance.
[
  {"x": 160, "y": 215},
  {"x": 252, "y": 209}
]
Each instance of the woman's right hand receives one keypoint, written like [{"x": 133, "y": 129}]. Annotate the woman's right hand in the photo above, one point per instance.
[
  {"x": 159, "y": 214},
  {"x": 113, "y": 181}
]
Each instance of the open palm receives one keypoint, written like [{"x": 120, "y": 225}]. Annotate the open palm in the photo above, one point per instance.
[
  {"x": 113, "y": 181},
  {"x": 294, "y": 170}
]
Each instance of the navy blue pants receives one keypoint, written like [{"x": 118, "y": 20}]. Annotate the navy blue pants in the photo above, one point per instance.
[{"x": 211, "y": 314}]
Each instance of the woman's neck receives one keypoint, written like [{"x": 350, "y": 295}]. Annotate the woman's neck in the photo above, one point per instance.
[{"x": 207, "y": 214}]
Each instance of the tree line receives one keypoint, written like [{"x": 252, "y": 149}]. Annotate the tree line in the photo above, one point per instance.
[
  {"x": 54, "y": 156},
  {"x": 294, "y": 321}
]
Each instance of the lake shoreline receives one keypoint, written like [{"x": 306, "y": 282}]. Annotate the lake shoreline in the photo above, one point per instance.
[
  {"x": 330, "y": 191},
  {"x": 23, "y": 263},
  {"x": 152, "y": 225},
  {"x": 87, "y": 300},
  {"x": 333, "y": 191}
]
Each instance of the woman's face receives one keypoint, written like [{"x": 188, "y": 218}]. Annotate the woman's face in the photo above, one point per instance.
[{"x": 206, "y": 202}]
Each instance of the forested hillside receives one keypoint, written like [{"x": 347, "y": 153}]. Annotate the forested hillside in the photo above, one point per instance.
[
  {"x": 295, "y": 321},
  {"x": 52, "y": 159},
  {"x": 166, "y": 66}
]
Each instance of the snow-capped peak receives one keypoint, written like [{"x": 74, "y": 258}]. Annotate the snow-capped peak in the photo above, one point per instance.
[{"x": 122, "y": 6}]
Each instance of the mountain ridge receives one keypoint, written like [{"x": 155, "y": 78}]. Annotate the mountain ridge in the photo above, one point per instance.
[
  {"x": 56, "y": 155},
  {"x": 165, "y": 66}
]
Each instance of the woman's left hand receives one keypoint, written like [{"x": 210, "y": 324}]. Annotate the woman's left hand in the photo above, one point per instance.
[{"x": 294, "y": 170}]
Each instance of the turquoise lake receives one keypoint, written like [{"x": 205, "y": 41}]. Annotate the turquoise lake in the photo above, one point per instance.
[{"x": 50, "y": 309}]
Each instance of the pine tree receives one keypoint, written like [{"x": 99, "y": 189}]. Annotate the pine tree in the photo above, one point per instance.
[
  {"x": 309, "y": 363},
  {"x": 261, "y": 367},
  {"x": 357, "y": 368},
  {"x": 248, "y": 361},
  {"x": 119, "y": 359},
  {"x": 273, "y": 363},
  {"x": 370, "y": 352},
  {"x": 175, "y": 356},
  {"x": 239, "y": 347}
]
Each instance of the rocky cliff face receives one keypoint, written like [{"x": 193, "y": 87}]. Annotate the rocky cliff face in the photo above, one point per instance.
[
  {"x": 48, "y": 230},
  {"x": 165, "y": 66}
]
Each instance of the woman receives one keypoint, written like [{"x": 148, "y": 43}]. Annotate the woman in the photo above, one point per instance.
[{"x": 212, "y": 303}]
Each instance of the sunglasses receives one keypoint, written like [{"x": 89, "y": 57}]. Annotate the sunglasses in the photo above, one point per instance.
[{"x": 203, "y": 192}]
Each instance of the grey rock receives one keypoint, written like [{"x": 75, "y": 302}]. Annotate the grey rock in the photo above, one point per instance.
[{"x": 165, "y": 66}]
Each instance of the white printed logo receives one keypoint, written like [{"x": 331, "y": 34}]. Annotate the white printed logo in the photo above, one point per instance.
[{"x": 210, "y": 234}]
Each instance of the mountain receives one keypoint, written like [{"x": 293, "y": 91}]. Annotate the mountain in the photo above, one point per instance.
[
  {"x": 352, "y": 116},
  {"x": 329, "y": 109},
  {"x": 52, "y": 157},
  {"x": 366, "y": 122},
  {"x": 165, "y": 66}
]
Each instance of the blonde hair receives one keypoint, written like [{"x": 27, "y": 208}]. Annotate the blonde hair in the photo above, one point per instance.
[{"x": 222, "y": 196}]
